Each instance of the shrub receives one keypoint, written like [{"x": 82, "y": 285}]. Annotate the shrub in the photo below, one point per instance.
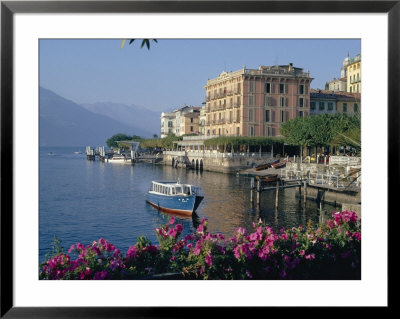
[{"x": 330, "y": 251}]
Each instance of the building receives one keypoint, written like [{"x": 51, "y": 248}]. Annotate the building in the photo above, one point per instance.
[
  {"x": 349, "y": 103},
  {"x": 182, "y": 121},
  {"x": 202, "y": 121},
  {"x": 254, "y": 102},
  {"x": 354, "y": 75},
  {"x": 324, "y": 101},
  {"x": 338, "y": 85},
  {"x": 168, "y": 124}
]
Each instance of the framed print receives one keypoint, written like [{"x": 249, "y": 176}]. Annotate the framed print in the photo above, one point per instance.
[{"x": 78, "y": 73}]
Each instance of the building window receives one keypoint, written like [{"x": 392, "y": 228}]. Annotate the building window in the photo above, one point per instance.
[
  {"x": 238, "y": 88},
  {"x": 344, "y": 107},
  {"x": 355, "y": 108},
  {"x": 330, "y": 106},
  {"x": 301, "y": 114},
  {"x": 282, "y": 114},
  {"x": 169, "y": 123},
  {"x": 312, "y": 105},
  {"x": 321, "y": 106},
  {"x": 191, "y": 120},
  {"x": 273, "y": 131},
  {"x": 301, "y": 89},
  {"x": 267, "y": 117},
  {"x": 250, "y": 115},
  {"x": 238, "y": 116},
  {"x": 268, "y": 131},
  {"x": 191, "y": 129},
  {"x": 251, "y": 100},
  {"x": 238, "y": 131},
  {"x": 282, "y": 101},
  {"x": 351, "y": 89},
  {"x": 301, "y": 102},
  {"x": 281, "y": 88},
  {"x": 251, "y": 130},
  {"x": 267, "y": 87},
  {"x": 251, "y": 86}
]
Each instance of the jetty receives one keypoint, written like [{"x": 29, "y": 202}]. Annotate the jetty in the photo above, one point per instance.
[{"x": 336, "y": 184}]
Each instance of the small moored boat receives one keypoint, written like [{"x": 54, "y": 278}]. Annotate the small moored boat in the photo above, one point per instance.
[
  {"x": 279, "y": 165},
  {"x": 265, "y": 165},
  {"x": 268, "y": 178},
  {"x": 174, "y": 197}
]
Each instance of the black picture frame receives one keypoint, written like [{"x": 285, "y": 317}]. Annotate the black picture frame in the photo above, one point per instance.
[{"x": 9, "y": 8}]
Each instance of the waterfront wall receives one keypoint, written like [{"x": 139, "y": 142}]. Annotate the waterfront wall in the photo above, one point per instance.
[
  {"x": 335, "y": 197},
  {"x": 217, "y": 162}
]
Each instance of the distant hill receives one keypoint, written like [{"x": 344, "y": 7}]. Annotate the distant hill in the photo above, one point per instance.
[
  {"x": 128, "y": 114},
  {"x": 65, "y": 123}
]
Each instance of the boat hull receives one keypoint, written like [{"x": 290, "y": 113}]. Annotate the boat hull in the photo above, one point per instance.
[{"x": 184, "y": 205}]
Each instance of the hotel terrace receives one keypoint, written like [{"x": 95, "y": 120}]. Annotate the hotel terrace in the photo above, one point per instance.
[{"x": 254, "y": 102}]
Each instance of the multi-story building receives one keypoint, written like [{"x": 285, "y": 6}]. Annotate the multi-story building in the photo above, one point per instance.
[
  {"x": 324, "y": 101},
  {"x": 349, "y": 103},
  {"x": 254, "y": 102},
  {"x": 338, "y": 85},
  {"x": 182, "y": 121},
  {"x": 354, "y": 75},
  {"x": 202, "y": 121},
  {"x": 168, "y": 124}
]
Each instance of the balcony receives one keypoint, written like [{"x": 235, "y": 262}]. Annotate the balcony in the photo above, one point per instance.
[{"x": 236, "y": 105}]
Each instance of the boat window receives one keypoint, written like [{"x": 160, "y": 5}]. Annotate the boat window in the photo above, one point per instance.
[
  {"x": 173, "y": 190},
  {"x": 178, "y": 190}
]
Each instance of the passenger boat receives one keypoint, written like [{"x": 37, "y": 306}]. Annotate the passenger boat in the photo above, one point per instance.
[
  {"x": 279, "y": 165},
  {"x": 265, "y": 165},
  {"x": 174, "y": 197},
  {"x": 118, "y": 159}
]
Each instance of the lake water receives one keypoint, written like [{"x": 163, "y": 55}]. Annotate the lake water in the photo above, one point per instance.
[{"x": 82, "y": 201}]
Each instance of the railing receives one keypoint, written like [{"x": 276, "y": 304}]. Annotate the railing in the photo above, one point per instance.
[
  {"x": 344, "y": 160},
  {"x": 335, "y": 180},
  {"x": 215, "y": 154}
]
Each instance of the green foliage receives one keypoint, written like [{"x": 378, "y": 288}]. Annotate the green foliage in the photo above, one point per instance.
[
  {"x": 236, "y": 141},
  {"x": 166, "y": 142},
  {"x": 321, "y": 129},
  {"x": 113, "y": 141}
]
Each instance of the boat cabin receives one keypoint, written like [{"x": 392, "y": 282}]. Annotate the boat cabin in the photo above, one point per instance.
[{"x": 174, "y": 188}]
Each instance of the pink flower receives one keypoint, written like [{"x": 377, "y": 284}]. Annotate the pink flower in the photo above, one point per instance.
[
  {"x": 197, "y": 249},
  {"x": 209, "y": 259},
  {"x": 172, "y": 220},
  {"x": 178, "y": 227},
  {"x": 71, "y": 249},
  {"x": 172, "y": 232},
  {"x": 357, "y": 235},
  {"x": 310, "y": 256}
]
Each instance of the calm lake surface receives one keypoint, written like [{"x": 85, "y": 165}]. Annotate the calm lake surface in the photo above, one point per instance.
[{"x": 82, "y": 201}]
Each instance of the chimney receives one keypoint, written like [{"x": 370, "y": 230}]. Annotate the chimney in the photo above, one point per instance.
[{"x": 290, "y": 66}]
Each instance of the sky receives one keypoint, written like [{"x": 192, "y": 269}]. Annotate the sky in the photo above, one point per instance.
[{"x": 174, "y": 71}]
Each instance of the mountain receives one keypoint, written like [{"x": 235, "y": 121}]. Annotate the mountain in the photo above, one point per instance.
[
  {"x": 65, "y": 123},
  {"x": 128, "y": 114}
]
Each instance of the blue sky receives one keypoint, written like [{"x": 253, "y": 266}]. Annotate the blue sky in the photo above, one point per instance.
[{"x": 173, "y": 72}]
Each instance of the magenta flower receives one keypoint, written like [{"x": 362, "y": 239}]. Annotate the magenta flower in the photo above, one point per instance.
[
  {"x": 71, "y": 249},
  {"x": 209, "y": 258},
  {"x": 172, "y": 220},
  {"x": 310, "y": 257}
]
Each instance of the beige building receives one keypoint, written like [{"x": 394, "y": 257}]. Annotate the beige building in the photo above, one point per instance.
[
  {"x": 338, "y": 85},
  {"x": 354, "y": 75},
  {"x": 181, "y": 121},
  {"x": 254, "y": 102},
  {"x": 348, "y": 103}
]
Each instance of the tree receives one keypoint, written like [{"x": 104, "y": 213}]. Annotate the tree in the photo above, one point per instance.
[
  {"x": 112, "y": 141},
  {"x": 144, "y": 42}
]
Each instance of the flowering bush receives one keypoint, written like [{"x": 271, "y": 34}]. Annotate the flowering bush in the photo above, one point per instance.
[{"x": 330, "y": 251}]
